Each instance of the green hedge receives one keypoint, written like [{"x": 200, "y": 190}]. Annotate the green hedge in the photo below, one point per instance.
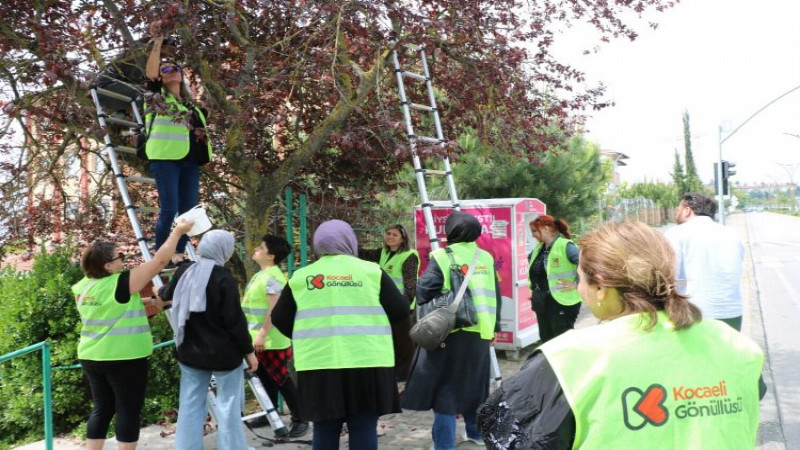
[{"x": 36, "y": 306}]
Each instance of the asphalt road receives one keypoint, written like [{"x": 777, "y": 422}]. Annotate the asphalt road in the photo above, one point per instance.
[{"x": 775, "y": 256}]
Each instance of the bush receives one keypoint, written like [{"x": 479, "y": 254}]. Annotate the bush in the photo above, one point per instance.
[{"x": 36, "y": 306}]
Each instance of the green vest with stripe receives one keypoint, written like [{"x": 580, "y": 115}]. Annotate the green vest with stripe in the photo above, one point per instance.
[
  {"x": 481, "y": 285},
  {"x": 661, "y": 389},
  {"x": 559, "y": 268},
  {"x": 255, "y": 305},
  {"x": 111, "y": 331},
  {"x": 168, "y": 139},
  {"x": 394, "y": 267},
  {"x": 340, "y": 323}
]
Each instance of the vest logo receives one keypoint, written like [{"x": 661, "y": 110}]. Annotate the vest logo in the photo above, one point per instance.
[
  {"x": 648, "y": 406},
  {"x": 315, "y": 282},
  {"x": 390, "y": 268},
  {"x": 640, "y": 408},
  {"x": 319, "y": 281}
]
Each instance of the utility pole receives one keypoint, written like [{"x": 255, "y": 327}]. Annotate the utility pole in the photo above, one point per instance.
[{"x": 790, "y": 170}]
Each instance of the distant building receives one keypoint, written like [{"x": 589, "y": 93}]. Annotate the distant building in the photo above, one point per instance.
[{"x": 617, "y": 160}]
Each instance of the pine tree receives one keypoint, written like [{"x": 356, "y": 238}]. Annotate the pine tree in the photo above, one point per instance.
[
  {"x": 678, "y": 175},
  {"x": 691, "y": 180}
]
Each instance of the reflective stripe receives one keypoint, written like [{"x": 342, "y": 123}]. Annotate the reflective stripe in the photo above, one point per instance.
[
  {"x": 254, "y": 326},
  {"x": 170, "y": 136},
  {"x": 352, "y": 330},
  {"x": 255, "y": 311},
  {"x": 397, "y": 281},
  {"x": 168, "y": 122},
  {"x": 557, "y": 276},
  {"x": 340, "y": 311},
  {"x": 485, "y": 309},
  {"x": 116, "y": 332},
  {"x": 106, "y": 322},
  {"x": 491, "y": 293}
]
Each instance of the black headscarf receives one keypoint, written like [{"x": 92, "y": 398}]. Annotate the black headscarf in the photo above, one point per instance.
[{"x": 462, "y": 227}]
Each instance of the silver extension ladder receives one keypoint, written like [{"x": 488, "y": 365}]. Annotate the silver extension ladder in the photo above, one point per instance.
[
  {"x": 135, "y": 125},
  {"x": 421, "y": 172}
]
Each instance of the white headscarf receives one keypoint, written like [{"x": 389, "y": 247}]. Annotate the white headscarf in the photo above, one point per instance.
[{"x": 215, "y": 249}]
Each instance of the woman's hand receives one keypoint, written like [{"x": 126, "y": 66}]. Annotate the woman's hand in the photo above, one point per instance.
[
  {"x": 252, "y": 362},
  {"x": 155, "y": 29},
  {"x": 183, "y": 227},
  {"x": 258, "y": 344}
]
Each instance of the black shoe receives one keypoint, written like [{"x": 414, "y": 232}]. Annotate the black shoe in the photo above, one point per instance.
[
  {"x": 297, "y": 429},
  {"x": 258, "y": 422}
]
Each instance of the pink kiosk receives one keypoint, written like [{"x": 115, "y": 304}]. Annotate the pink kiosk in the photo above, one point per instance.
[{"x": 507, "y": 236}]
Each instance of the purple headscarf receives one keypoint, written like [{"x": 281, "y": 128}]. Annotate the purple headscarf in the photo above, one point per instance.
[{"x": 335, "y": 237}]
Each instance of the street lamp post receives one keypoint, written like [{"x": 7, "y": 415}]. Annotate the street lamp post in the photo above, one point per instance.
[{"x": 720, "y": 140}]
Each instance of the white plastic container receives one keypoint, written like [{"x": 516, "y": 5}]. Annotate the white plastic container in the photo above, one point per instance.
[{"x": 201, "y": 221}]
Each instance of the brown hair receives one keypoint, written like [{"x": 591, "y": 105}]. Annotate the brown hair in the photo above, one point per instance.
[
  {"x": 559, "y": 225},
  {"x": 403, "y": 233},
  {"x": 95, "y": 257},
  {"x": 640, "y": 263}
]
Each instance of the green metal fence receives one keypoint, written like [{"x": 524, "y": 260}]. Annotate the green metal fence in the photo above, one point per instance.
[{"x": 46, "y": 384}]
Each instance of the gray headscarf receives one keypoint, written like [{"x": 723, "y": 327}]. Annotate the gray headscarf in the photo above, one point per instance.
[
  {"x": 335, "y": 237},
  {"x": 215, "y": 249},
  {"x": 462, "y": 227}
]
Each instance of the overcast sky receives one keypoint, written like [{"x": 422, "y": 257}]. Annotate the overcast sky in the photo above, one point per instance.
[{"x": 721, "y": 60}]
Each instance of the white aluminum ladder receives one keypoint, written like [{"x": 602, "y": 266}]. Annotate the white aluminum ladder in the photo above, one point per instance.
[
  {"x": 415, "y": 139},
  {"x": 135, "y": 125},
  {"x": 421, "y": 172}
]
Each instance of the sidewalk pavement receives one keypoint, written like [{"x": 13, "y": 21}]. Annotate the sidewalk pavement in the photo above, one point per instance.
[{"x": 412, "y": 429}]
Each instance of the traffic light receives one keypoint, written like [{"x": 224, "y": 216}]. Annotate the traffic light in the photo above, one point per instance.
[{"x": 727, "y": 172}]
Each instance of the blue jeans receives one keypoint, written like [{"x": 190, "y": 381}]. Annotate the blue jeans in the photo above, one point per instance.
[
  {"x": 362, "y": 429},
  {"x": 178, "y": 184},
  {"x": 444, "y": 429},
  {"x": 192, "y": 408}
]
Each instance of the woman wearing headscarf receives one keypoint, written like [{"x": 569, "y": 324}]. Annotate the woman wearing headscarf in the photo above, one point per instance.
[
  {"x": 338, "y": 312},
  {"x": 455, "y": 379},
  {"x": 212, "y": 339}
]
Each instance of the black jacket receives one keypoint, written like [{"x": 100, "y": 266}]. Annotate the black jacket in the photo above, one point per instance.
[{"x": 216, "y": 339}]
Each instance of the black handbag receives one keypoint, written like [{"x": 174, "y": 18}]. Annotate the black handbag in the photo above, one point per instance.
[{"x": 433, "y": 327}]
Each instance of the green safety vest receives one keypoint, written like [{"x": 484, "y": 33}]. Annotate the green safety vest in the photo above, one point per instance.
[
  {"x": 659, "y": 389},
  {"x": 255, "y": 305},
  {"x": 167, "y": 139},
  {"x": 340, "y": 323},
  {"x": 394, "y": 268},
  {"x": 558, "y": 268},
  {"x": 481, "y": 285},
  {"x": 111, "y": 331}
]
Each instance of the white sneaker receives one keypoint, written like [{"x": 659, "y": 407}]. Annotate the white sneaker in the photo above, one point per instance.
[{"x": 478, "y": 441}]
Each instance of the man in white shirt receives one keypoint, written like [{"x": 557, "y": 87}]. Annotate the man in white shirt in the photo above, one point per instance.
[{"x": 709, "y": 260}]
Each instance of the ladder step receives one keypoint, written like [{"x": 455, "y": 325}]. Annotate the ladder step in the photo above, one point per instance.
[
  {"x": 254, "y": 416},
  {"x": 123, "y": 149},
  {"x": 415, "y": 76},
  {"x": 141, "y": 179},
  {"x": 148, "y": 209},
  {"x": 427, "y": 139},
  {"x": 113, "y": 94},
  {"x": 118, "y": 121},
  {"x": 433, "y": 172},
  {"x": 421, "y": 107}
]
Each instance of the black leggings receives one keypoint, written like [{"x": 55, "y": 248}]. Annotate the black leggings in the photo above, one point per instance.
[
  {"x": 117, "y": 387},
  {"x": 554, "y": 318}
]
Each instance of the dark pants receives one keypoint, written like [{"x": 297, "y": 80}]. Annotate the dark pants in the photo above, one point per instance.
[
  {"x": 178, "y": 184},
  {"x": 554, "y": 318},
  {"x": 362, "y": 429},
  {"x": 734, "y": 322},
  {"x": 117, "y": 387},
  {"x": 288, "y": 391}
]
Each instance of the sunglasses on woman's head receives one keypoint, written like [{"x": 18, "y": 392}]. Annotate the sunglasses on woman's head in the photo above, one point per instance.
[{"x": 168, "y": 69}]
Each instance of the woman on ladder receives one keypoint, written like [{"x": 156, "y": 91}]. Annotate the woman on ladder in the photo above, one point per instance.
[{"x": 177, "y": 143}]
